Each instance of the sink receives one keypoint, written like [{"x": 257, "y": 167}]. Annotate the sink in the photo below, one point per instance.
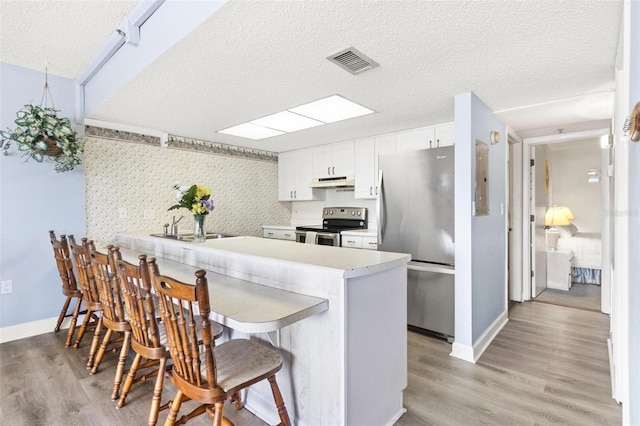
[{"x": 189, "y": 237}]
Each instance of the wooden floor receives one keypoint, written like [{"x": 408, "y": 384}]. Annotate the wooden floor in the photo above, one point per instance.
[{"x": 549, "y": 365}]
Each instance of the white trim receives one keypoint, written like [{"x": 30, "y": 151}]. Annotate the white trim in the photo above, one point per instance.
[
  {"x": 33, "y": 328},
  {"x": 473, "y": 354}
]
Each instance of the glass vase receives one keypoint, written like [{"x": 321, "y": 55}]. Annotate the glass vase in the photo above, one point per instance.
[{"x": 199, "y": 234}]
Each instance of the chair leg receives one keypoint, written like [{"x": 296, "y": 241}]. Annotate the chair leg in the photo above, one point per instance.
[
  {"x": 124, "y": 351},
  {"x": 63, "y": 313},
  {"x": 217, "y": 414},
  {"x": 173, "y": 411},
  {"x": 131, "y": 377},
  {"x": 94, "y": 343},
  {"x": 277, "y": 396},
  {"x": 74, "y": 321},
  {"x": 103, "y": 348},
  {"x": 83, "y": 328},
  {"x": 157, "y": 393}
]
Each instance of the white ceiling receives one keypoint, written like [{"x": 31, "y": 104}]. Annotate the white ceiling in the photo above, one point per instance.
[{"x": 254, "y": 58}]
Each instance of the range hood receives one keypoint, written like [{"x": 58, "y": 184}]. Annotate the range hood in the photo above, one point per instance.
[{"x": 333, "y": 182}]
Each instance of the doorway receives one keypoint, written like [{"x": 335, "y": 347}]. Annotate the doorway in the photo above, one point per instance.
[{"x": 568, "y": 151}]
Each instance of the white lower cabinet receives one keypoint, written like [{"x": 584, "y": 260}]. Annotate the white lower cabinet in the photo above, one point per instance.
[
  {"x": 279, "y": 233},
  {"x": 367, "y": 242}
]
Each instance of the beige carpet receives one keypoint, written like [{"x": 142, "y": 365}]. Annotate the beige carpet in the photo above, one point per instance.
[{"x": 580, "y": 296}]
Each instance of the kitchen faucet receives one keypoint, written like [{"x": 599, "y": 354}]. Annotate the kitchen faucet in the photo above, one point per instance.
[{"x": 174, "y": 226}]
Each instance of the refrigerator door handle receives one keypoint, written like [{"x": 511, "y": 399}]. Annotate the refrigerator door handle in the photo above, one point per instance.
[
  {"x": 442, "y": 269},
  {"x": 379, "y": 212}
]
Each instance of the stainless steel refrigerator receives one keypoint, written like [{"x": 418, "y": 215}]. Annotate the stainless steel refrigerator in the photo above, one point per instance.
[{"x": 416, "y": 215}]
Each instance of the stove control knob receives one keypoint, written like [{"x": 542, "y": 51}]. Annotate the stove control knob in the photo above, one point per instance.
[
  {"x": 359, "y": 213},
  {"x": 353, "y": 213}
]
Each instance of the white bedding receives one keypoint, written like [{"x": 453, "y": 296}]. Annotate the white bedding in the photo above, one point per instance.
[{"x": 587, "y": 249}]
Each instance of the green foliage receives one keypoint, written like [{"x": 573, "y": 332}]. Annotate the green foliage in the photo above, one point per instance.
[{"x": 34, "y": 123}]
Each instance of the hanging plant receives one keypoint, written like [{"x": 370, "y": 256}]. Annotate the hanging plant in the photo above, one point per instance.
[{"x": 41, "y": 134}]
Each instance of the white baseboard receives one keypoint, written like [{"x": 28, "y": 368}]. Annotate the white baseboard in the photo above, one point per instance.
[
  {"x": 28, "y": 329},
  {"x": 473, "y": 354}
]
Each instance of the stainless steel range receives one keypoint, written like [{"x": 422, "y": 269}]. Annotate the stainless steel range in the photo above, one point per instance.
[{"x": 334, "y": 221}]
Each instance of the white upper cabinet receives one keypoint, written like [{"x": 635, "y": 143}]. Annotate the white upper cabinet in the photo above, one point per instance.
[
  {"x": 367, "y": 152},
  {"x": 294, "y": 177},
  {"x": 426, "y": 137},
  {"x": 445, "y": 135},
  {"x": 333, "y": 160}
]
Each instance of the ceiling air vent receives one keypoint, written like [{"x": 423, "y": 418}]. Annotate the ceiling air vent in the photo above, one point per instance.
[{"x": 353, "y": 60}]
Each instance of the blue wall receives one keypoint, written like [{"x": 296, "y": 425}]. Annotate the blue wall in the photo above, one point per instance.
[
  {"x": 33, "y": 199},
  {"x": 480, "y": 240}
]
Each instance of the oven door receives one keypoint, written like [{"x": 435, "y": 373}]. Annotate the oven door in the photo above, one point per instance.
[{"x": 321, "y": 238}]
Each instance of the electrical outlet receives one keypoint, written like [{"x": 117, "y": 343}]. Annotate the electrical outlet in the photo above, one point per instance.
[
  {"x": 7, "y": 287},
  {"x": 122, "y": 213},
  {"x": 148, "y": 214}
]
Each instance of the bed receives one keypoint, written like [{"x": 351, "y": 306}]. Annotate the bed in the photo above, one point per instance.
[{"x": 587, "y": 252}]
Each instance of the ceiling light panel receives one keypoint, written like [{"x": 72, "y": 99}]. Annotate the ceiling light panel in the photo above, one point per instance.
[
  {"x": 250, "y": 131},
  {"x": 286, "y": 121},
  {"x": 332, "y": 109}
]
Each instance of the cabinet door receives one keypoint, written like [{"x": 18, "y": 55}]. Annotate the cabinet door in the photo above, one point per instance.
[
  {"x": 370, "y": 243},
  {"x": 414, "y": 140},
  {"x": 343, "y": 159},
  {"x": 321, "y": 162},
  {"x": 285, "y": 176},
  {"x": 445, "y": 135},
  {"x": 386, "y": 144},
  {"x": 364, "y": 168},
  {"x": 351, "y": 241},
  {"x": 302, "y": 170}
]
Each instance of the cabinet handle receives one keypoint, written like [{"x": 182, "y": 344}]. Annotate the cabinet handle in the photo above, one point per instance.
[
  {"x": 295, "y": 194},
  {"x": 371, "y": 190},
  {"x": 290, "y": 194},
  {"x": 287, "y": 235},
  {"x": 437, "y": 143},
  {"x": 333, "y": 170},
  {"x": 376, "y": 190},
  {"x": 329, "y": 170}
]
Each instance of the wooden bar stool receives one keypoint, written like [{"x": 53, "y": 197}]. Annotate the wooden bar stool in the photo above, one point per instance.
[
  {"x": 69, "y": 284},
  {"x": 90, "y": 296},
  {"x": 117, "y": 328},
  {"x": 202, "y": 371},
  {"x": 148, "y": 335}
]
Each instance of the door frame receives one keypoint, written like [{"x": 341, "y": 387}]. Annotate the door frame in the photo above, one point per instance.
[{"x": 527, "y": 283}]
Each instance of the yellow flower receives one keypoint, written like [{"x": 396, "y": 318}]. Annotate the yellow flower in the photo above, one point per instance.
[{"x": 202, "y": 191}]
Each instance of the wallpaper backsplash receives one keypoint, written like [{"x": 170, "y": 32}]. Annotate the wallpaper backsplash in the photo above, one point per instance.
[{"x": 133, "y": 177}]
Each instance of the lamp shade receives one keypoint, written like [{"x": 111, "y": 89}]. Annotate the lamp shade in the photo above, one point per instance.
[{"x": 558, "y": 215}]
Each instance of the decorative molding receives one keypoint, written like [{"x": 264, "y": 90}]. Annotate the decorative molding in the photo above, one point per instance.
[
  {"x": 207, "y": 147},
  {"x": 101, "y": 132}
]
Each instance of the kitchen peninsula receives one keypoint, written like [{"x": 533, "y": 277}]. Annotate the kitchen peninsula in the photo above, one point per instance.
[{"x": 346, "y": 365}]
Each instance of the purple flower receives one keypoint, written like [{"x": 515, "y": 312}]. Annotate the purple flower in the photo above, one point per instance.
[{"x": 208, "y": 204}]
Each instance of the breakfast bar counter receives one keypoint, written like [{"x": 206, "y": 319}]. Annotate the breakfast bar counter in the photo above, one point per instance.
[{"x": 345, "y": 365}]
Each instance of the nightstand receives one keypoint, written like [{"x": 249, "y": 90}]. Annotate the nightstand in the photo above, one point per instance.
[{"x": 559, "y": 268}]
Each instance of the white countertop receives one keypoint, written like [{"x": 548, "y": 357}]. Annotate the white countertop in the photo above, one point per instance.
[
  {"x": 350, "y": 263},
  {"x": 239, "y": 304}
]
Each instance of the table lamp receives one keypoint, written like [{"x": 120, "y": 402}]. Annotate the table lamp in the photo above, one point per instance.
[{"x": 556, "y": 216}]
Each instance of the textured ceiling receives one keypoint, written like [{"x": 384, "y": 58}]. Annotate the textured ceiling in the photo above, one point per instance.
[
  {"x": 255, "y": 58},
  {"x": 65, "y": 34}
]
